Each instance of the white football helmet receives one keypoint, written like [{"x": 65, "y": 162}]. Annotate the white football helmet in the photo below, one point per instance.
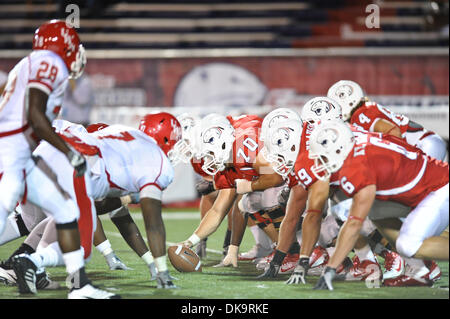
[
  {"x": 216, "y": 138},
  {"x": 282, "y": 145},
  {"x": 277, "y": 115},
  {"x": 321, "y": 109},
  {"x": 329, "y": 144},
  {"x": 348, "y": 94},
  {"x": 187, "y": 147}
]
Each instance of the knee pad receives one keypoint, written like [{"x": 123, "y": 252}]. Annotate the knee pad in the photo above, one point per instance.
[{"x": 407, "y": 246}]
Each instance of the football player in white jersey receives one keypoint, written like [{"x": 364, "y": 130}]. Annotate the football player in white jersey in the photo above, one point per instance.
[
  {"x": 126, "y": 161},
  {"x": 30, "y": 101}
]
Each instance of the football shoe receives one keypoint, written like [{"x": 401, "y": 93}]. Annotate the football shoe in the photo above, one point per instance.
[{"x": 394, "y": 265}]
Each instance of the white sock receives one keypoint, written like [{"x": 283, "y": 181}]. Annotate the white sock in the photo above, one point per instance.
[
  {"x": 415, "y": 267},
  {"x": 365, "y": 253},
  {"x": 261, "y": 237},
  {"x": 50, "y": 256},
  {"x": 11, "y": 230},
  {"x": 161, "y": 263},
  {"x": 74, "y": 260},
  {"x": 147, "y": 258},
  {"x": 104, "y": 248}
]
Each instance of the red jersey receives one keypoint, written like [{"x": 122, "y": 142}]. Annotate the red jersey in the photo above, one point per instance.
[
  {"x": 246, "y": 147},
  {"x": 370, "y": 112},
  {"x": 302, "y": 173},
  {"x": 400, "y": 172}
]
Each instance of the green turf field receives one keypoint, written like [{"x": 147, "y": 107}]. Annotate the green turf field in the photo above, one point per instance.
[{"x": 212, "y": 283}]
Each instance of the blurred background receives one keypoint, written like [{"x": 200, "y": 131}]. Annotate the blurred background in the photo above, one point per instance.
[{"x": 246, "y": 56}]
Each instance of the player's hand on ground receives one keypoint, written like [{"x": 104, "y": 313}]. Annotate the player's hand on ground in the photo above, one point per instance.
[
  {"x": 270, "y": 271},
  {"x": 164, "y": 280},
  {"x": 299, "y": 274},
  {"x": 325, "y": 280},
  {"x": 77, "y": 161},
  {"x": 231, "y": 258}
]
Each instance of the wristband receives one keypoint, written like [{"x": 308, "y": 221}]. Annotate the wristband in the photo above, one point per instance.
[
  {"x": 125, "y": 200},
  {"x": 194, "y": 239},
  {"x": 356, "y": 218},
  {"x": 303, "y": 256}
]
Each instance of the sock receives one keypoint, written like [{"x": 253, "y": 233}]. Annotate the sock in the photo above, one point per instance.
[
  {"x": 148, "y": 258},
  {"x": 260, "y": 237},
  {"x": 11, "y": 230},
  {"x": 78, "y": 279},
  {"x": 294, "y": 249},
  {"x": 73, "y": 261},
  {"x": 415, "y": 267},
  {"x": 104, "y": 248},
  {"x": 365, "y": 253},
  {"x": 50, "y": 256},
  {"x": 161, "y": 263}
]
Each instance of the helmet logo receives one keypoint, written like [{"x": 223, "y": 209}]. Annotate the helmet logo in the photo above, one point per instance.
[
  {"x": 327, "y": 137},
  {"x": 212, "y": 134},
  {"x": 321, "y": 107},
  {"x": 344, "y": 91},
  {"x": 68, "y": 39},
  {"x": 276, "y": 119}
]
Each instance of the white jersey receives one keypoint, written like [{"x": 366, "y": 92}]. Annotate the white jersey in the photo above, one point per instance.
[
  {"x": 128, "y": 160},
  {"x": 41, "y": 69}
]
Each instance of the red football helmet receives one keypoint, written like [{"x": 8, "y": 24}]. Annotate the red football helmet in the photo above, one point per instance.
[
  {"x": 163, "y": 127},
  {"x": 96, "y": 127},
  {"x": 57, "y": 36}
]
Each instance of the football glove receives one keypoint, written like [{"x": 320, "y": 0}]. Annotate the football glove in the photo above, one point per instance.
[
  {"x": 204, "y": 187},
  {"x": 164, "y": 281},
  {"x": 270, "y": 271},
  {"x": 77, "y": 161},
  {"x": 325, "y": 280},
  {"x": 300, "y": 271}
]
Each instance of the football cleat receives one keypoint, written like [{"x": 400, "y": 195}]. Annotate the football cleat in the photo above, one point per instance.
[
  {"x": 257, "y": 251},
  {"x": 43, "y": 281},
  {"x": 289, "y": 263},
  {"x": 7, "y": 274},
  {"x": 91, "y": 292},
  {"x": 394, "y": 265},
  {"x": 318, "y": 261},
  {"x": 411, "y": 279},
  {"x": 262, "y": 262},
  {"x": 435, "y": 272},
  {"x": 115, "y": 263},
  {"x": 364, "y": 270},
  {"x": 25, "y": 270}
]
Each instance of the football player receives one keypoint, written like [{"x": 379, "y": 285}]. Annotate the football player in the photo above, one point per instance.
[
  {"x": 30, "y": 101},
  {"x": 360, "y": 111},
  {"x": 143, "y": 152},
  {"x": 230, "y": 152},
  {"x": 370, "y": 168}
]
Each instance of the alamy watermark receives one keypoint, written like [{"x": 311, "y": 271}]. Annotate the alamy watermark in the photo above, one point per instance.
[
  {"x": 73, "y": 19},
  {"x": 373, "y": 19}
]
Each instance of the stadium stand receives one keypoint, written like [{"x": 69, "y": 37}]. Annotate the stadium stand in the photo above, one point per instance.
[{"x": 232, "y": 24}]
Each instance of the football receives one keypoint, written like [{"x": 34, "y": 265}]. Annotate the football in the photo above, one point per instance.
[{"x": 184, "y": 259}]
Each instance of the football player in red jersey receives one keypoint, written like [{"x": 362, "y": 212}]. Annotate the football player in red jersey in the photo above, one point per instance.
[
  {"x": 230, "y": 152},
  {"x": 370, "y": 168},
  {"x": 30, "y": 101},
  {"x": 360, "y": 111}
]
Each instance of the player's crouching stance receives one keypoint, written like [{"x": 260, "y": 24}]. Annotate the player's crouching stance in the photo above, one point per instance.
[
  {"x": 31, "y": 99},
  {"x": 129, "y": 161},
  {"x": 371, "y": 168}
]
